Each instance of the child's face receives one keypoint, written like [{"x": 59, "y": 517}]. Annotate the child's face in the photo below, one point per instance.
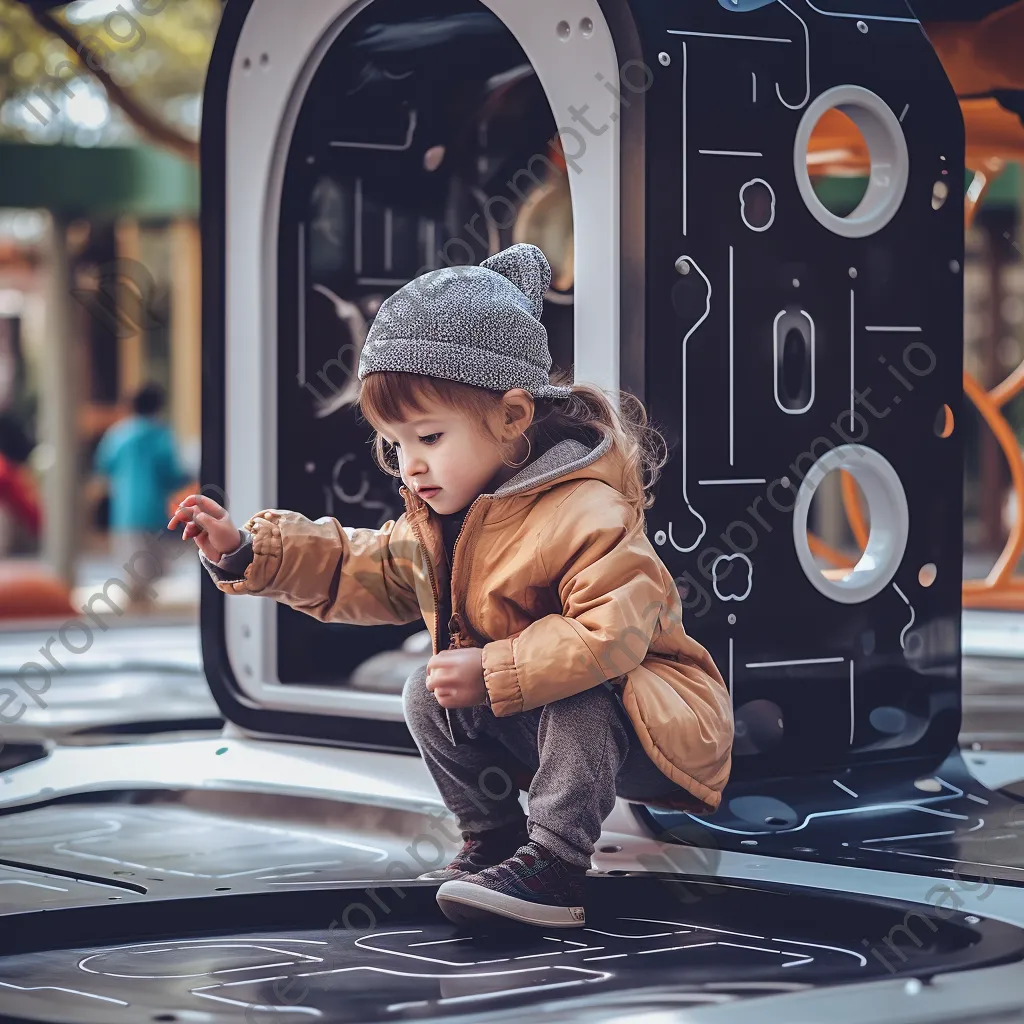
[{"x": 443, "y": 448}]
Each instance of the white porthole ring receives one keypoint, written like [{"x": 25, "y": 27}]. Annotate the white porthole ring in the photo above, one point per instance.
[
  {"x": 890, "y": 523},
  {"x": 890, "y": 160}
]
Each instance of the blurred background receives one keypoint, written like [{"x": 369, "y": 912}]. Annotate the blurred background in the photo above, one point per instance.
[
  {"x": 100, "y": 368},
  {"x": 99, "y": 291}
]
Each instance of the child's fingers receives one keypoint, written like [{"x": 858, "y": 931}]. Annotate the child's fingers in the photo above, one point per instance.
[
  {"x": 182, "y": 515},
  {"x": 209, "y": 507},
  {"x": 201, "y": 503}
]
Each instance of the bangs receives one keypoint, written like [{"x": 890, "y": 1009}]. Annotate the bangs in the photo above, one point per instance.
[{"x": 390, "y": 396}]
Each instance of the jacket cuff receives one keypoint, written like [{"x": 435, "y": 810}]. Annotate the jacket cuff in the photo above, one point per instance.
[
  {"x": 502, "y": 678},
  {"x": 232, "y": 565},
  {"x": 240, "y": 558},
  {"x": 267, "y": 547}
]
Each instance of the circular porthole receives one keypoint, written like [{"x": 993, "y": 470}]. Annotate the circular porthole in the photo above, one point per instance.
[
  {"x": 888, "y": 515},
  {"x": 890, "y": 162}
]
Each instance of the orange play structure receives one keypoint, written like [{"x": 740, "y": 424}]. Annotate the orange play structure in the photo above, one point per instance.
[{"x": 980, "y": 57}]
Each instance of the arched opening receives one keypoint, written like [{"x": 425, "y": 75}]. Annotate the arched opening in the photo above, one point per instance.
[{"x": 425, "y": 139}]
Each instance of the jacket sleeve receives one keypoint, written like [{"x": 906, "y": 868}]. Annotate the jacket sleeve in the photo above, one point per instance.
[
  {"x": 611, "y": 585},
  {"x": 335, "y": 573}
]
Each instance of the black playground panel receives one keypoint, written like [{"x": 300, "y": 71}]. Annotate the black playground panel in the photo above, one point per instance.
[{"x": 385, "y": 954}]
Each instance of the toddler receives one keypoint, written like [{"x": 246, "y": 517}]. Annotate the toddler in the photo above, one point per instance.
[{"x": 559, "y": 661}]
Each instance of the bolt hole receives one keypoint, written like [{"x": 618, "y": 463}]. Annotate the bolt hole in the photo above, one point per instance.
[
  {"x": 264, "y": 59},
  {"x": 610, "y": 849},
  {"x": 246, "y": 63},
  {"x": 926, "y": 575},
  {"x": 944, "y": 422},
  {"x": 563, "y": 30},
  {"x": 940, "y": 192},
  {"x": 587, "y": 27}
]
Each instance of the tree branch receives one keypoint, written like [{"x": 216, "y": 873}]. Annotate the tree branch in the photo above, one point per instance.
[{"x": 150, "y": 126}]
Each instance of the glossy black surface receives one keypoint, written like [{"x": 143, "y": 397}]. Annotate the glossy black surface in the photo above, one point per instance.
[
  {"x": 348, "y": 956},
  {"x": 943, "y": 823},
  {"x": 817, "y": 684},
  {"x": 68, "y": 854}
]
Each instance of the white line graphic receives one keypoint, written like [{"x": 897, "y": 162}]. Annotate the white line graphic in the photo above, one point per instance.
[
  {"x": 801, "y": 661},
  {"x": 807, "y": 64},
  {"x": 409, "y": 132},
  {"x": 903, "y": 632},
  {"x": 737, "y": 480},
  {"x": 686, "y": 340},
  {"x": 865, "y": 17},
  {"x": 732, "y": 364},
  {"x": 726, "y": 35}
]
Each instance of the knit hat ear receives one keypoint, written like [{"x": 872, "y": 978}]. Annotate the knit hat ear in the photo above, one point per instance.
[{"x": 527, "y": 268}]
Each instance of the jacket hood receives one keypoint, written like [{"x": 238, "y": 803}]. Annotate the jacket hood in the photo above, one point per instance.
[{"x": 569, "y": 459}]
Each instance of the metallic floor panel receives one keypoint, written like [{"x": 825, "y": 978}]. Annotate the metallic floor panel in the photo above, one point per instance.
[{"x": 164, "y": 850}]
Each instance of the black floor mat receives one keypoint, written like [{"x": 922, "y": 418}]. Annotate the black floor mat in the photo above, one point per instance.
[{"x": 388, "y": 954}]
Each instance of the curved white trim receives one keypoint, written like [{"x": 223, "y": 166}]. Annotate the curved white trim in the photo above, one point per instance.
[{"x": 263, "y": 102}]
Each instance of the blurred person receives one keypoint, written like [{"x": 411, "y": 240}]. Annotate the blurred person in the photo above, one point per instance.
[
  {"x": 139, "y": 456},
  {"x": 21, "y": 516}
]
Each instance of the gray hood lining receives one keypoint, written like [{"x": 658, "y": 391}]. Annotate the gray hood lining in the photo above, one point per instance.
[{"x": 565, "y": 457}]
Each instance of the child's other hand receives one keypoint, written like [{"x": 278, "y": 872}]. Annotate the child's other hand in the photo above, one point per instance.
[
  {"x": 456, "y": 678},
  {"x": 208, "y": 524}
]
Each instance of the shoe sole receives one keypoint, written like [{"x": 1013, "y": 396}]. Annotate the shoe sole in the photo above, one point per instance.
[
  {"x": 466, "y": 902},
  {"x": 436, "y": 876}
]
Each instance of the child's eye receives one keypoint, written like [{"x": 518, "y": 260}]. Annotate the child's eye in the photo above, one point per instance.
[{"x": 427, "y": 439}]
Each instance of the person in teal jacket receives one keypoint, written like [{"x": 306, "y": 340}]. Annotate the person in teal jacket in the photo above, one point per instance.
[{"x": 139, "y": 457}]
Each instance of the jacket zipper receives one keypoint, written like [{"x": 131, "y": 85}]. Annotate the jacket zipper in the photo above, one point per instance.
[
  {"x": 456, "y": 636},
  {"x": 433, "y": 585},
  {"x": 454, "y": 643}
]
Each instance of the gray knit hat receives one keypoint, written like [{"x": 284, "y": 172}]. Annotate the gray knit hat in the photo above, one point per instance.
[{"x": 477, "y": 325}]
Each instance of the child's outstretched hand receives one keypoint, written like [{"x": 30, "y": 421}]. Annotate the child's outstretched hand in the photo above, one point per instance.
[
  {"x": 208, "y": 524},
  {"x": 456, "y": 677}
]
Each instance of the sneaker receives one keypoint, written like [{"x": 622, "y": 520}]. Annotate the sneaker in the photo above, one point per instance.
[
  {"x": 481, "y": 850},
  {"x": 533, "y": 886}
]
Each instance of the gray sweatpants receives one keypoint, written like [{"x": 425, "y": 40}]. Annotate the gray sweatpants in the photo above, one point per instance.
[{"x": 583, "y": 751}]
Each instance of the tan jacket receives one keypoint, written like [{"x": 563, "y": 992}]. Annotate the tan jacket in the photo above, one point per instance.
[{"x": 548, "y": 581}]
